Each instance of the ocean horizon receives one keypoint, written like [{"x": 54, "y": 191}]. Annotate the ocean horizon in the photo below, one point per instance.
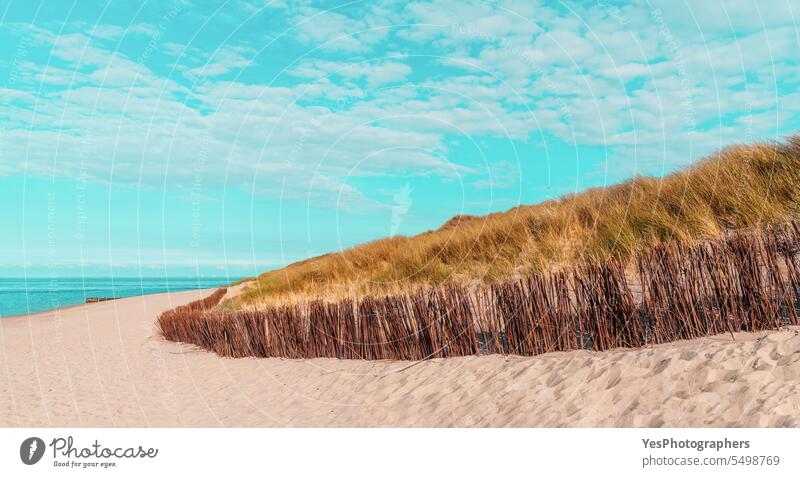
[{"x": 22, "y": 296}]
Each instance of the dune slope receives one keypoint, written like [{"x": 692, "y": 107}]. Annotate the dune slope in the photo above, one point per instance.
[{"x": 739, "y": 187}]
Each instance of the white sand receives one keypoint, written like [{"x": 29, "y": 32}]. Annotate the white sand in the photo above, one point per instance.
[{"x": 103, "y": 365}]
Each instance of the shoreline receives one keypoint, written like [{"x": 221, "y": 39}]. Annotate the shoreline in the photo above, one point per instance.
[
  {"x": 44, "y": 312},
  {"x": 104, "y": 299},
  {"x": 104, "y": 365}
]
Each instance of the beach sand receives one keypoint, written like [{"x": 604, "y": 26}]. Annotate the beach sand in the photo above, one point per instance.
[{"x": 103, "y": 365}]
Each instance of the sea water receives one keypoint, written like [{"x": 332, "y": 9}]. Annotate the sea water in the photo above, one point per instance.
[{"x": 19, "y": 296}]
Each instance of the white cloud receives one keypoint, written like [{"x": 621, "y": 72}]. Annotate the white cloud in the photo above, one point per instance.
[
  {"x": 115, "y": 32},
  {"x": 118, "y": 120},
  {"x": 222, "y": 61},
  {"x": 373, "y": 73},
  {"x": 330, "y": 30},
  {"x": 711, "y": 16},
  {"x": 107, "y": 32},
  {"x": 592, "y": 76}
]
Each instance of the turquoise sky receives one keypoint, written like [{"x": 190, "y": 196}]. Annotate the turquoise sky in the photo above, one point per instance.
[{"x": 230, "y": 138}]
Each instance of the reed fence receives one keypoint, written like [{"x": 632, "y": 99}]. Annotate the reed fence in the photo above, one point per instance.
[{"x": 744, "y": 281}]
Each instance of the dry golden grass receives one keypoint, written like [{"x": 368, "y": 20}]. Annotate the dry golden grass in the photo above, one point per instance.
[{"x": 739, "y": 187}]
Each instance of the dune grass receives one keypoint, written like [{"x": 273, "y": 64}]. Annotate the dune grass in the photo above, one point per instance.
[
  {"x": 743, "y": 281},
  {"x": 739, "y": 187}
]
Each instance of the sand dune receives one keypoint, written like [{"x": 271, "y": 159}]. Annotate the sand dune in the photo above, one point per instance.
[{"x": 102, "y": 365}]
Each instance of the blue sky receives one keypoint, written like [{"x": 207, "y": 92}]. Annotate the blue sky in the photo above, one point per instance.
[{"x": 227, "y": 139}]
